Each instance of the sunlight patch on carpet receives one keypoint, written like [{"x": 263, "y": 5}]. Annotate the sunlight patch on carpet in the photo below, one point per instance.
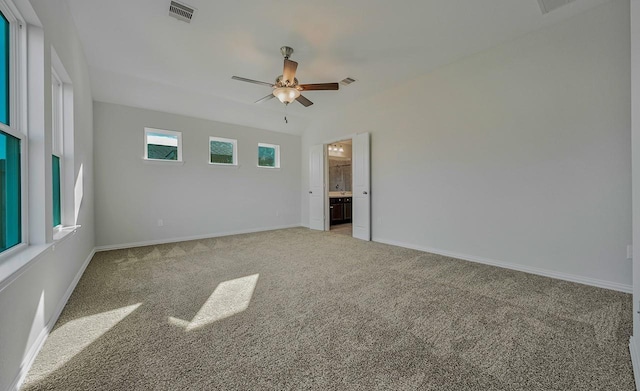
[
  {"x": 68, "y": 340},
  {"x": 229, "y": 298}
]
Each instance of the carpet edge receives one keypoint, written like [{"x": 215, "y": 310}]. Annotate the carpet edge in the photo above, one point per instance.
[
  {"x": 522, "y": 268},
  {"x": 187, "y": 238}
]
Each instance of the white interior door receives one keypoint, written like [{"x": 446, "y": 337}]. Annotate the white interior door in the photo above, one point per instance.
[
  {"x": 361, "y": 187},
  {"x": 316, "y": 187}
]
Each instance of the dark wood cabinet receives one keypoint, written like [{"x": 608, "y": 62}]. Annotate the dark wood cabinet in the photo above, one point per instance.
[
  {"x": 340, "y": 210},
  {"x": 337, "y": 213},
  {"x": 347, "y": 210}
]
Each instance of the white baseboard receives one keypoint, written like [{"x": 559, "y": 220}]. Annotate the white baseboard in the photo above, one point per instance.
[
  {"x": 635, "y": 360},
  {"x": 527, "y": 269},
  {"x": 187, "y": 238},
  {"x": 33, "y": 351}
]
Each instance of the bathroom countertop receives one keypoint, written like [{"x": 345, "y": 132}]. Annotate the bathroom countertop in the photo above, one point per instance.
[{"x": 338, "y": 194}]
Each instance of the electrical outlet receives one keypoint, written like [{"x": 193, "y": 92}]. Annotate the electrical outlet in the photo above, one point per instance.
[
  {"x": 160, "y": 223},
  {"x": 630, "y": 251}
]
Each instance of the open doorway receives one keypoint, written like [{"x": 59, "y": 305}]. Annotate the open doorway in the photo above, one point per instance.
[
  {"x": 356, "y": 201},
  {"x": 339, "y": 184}
]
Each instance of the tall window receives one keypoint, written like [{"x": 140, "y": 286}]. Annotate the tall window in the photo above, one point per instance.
[
  {"x": 10, "y": 208},
  {"x": 11, "y": 138},
  {"x": 268, "y": 155},
  {"x": 57, "y": 129},
  {"x": 162, "y": 145},
  {"x": 5, "y": 70}
]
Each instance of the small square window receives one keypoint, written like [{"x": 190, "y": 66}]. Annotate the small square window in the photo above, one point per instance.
[
  {"x": 268, "y": 155},
  {"x": 162, "y": 145},
  {"x": 223, "y": 151}
]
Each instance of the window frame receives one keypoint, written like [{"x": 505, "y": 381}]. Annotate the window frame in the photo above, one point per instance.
[
  {"x": 57, "y": 140},
  {"x": 234, "y": 142},
  {"x": 276, "y": 147},
  {"x": 172, "y": 133},
  {"x": 18, "y": 113}
]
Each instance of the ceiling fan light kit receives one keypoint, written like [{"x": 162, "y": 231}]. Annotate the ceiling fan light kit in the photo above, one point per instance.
[
  {"x": 286, "y": 95},
  {"x": 286, "y": 88}
]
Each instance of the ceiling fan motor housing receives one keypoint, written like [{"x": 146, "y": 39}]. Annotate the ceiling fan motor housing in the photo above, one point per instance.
[{"x": 283, "y": 83}]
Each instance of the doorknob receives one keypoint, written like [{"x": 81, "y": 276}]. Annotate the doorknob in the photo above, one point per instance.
[{"x": 365, "y": 193}]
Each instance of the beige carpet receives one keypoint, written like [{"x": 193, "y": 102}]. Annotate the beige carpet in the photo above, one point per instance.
[
  {"x": 296, "y": 309},
  {"x": 342, "y": 229}
]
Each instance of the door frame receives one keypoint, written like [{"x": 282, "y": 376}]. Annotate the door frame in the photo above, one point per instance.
[
  {"x": 327, "y": 210},
  {"x": 316, "y": 187}
]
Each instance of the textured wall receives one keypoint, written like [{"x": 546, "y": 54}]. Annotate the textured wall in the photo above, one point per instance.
[
  {"x": 519, "y": 154},
  {"x": 192, "y": 199}
]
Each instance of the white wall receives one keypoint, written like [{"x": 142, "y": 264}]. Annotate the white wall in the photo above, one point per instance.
[
  {"x": 635, "y": 136},
  {"x": 193, "y": 199},
  {"x": 31, "y": 300},
  {"x": 519, "y": 154}
]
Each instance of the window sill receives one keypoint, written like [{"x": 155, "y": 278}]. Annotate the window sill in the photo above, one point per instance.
[
  {"x": 224, "y": 165},
  {"x": 20, "y": 261},
  {"x": 269, "y": 168},
  {"x": 163, "y": 162},
  {"x": 59, "y": 233}
]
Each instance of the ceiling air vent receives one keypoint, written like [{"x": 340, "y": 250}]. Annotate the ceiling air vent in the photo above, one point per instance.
[
  {"x": 550, "y": 5},
  {"x": 181, "y": 11},
  {"x": 347, "y": 81}
]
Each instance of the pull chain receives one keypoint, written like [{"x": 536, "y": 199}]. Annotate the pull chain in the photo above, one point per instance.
[{"x": 286, "y": 121}]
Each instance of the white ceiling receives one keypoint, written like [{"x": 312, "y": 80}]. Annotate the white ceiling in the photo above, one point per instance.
[{"x": 139, "y": 56}]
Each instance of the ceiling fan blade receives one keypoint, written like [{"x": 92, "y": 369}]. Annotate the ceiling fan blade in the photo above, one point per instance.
[
  {"x": 266, "y": 98},
  {"x": 251, "y": 81},
  {"x": 289, "y": 71},
  {"x": 305, "y": 102},
  {"x": 319, "y": 87}
]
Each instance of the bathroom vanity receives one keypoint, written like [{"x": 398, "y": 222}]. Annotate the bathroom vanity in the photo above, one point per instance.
[{"x": 340, "y": 207}]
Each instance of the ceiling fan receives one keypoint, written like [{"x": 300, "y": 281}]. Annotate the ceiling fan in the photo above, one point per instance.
[{"x": 286, "y": 87}]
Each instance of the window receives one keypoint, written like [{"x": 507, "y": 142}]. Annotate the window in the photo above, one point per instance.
[
  {"x": 12, "y": 136},
  {"x": 5, "y": 66},
  {"x": 57, "y": 198},
  {"x": 63, "y": 177},
  {"x": 268, "y": 155},
  {"x": 10, "y": 210},
  {"x": 223, "y": 151},
  {"x": 57, "y": 128},
  {"x": 162, "y": 145}
]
